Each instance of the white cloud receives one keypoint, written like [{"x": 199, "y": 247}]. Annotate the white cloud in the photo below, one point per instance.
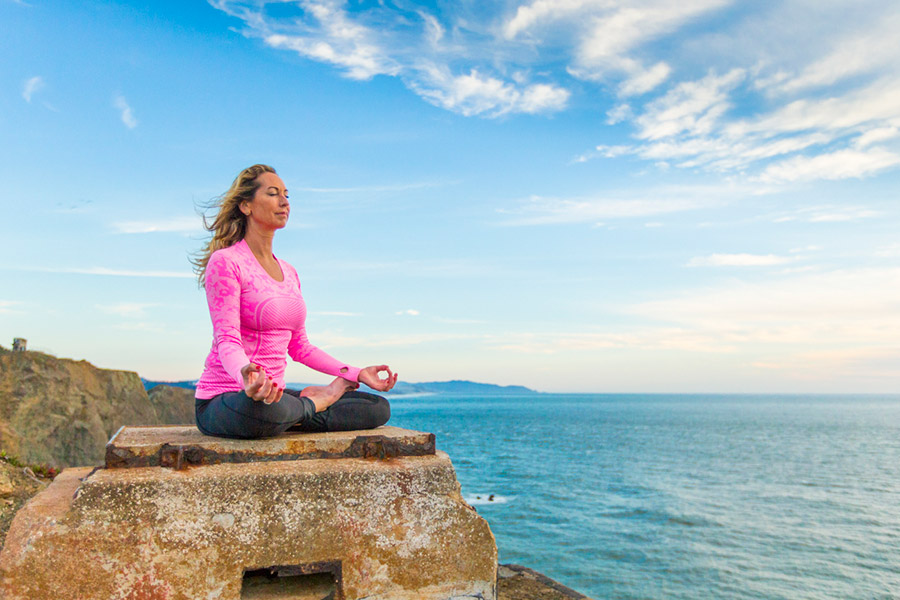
[
  {"x": 409, "y": 311},
  {"x": 385, "y": 41},
  {"x": 478, "y": 94},
  {"x": 129, "y": 310},
  {"x": 871, "y": 105},
  {"x": 888, "y": 251},
  {"x": 540, "y": 210},
  {"x": 183, "y": 224},
  {"x": 103, "y": 271},
  {"x": 126, "y": 114},
  {"x": 544, "y": 211},
  {"x": 737, "y": 260},
  {"x": 851, "y": 303},
  {"x": 872, "y": 48},
  {"x": 810, "y": 248},
  {"x": 836, "y": 165},
  {"x": 692, "y": 107},
  {"x": 6, "y": 307},
  {"x": 345, "y": 47},
  {"x": 643, "y": 81},
  {"x": 828, "y": 214},
  {"x": 762, "y": 92},
  {"x": 809, "y": 322},
  {"x": 31, "y": 87},
  {"x": 879, "y": 134},
  {"x": 544, "y": 11},
  {"x": 614, "y": 31},
  {"x": 618, "y": 113}
]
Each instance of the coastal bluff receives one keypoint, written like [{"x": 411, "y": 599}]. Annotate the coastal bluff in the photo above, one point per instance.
[{"x": 61, "y": 412}]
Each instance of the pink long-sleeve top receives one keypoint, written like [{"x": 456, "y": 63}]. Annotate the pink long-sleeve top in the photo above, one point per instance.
[{"x": 256, "y": 319}]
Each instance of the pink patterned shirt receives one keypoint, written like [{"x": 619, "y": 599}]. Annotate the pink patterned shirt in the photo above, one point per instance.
[{"x": 256, "y": 319}]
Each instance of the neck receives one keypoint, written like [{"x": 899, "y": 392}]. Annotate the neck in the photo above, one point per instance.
[{"x": 260, "y": 242}]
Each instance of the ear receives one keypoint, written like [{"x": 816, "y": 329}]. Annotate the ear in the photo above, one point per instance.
[{"x": 245, "y": 208}]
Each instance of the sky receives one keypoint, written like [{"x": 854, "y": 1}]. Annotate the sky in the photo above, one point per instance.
[{"x": 571, "y": 195}]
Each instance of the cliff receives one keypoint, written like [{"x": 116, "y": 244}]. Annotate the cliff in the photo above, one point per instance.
[{"x": 62, "y": 412}]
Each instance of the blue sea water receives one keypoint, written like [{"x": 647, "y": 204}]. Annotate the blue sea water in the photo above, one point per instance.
[{"x": 683, "y": 497}]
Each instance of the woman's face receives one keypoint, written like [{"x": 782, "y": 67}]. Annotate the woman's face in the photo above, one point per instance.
[{"x": 269, "y": 208}]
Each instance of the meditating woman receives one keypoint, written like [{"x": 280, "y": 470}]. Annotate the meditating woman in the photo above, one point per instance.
[{"x": 258, "y": 316}]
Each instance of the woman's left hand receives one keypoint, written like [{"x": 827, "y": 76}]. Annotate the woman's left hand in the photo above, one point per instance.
[{"x": 372, "y": 378}]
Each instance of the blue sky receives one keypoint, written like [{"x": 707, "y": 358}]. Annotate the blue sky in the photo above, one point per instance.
[{"x": 571, "y": 195}]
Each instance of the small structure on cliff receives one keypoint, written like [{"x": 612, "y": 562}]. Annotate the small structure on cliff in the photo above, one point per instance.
[
  {"x": 19, "y": 344},
  {"x": 177, "y": 515}
]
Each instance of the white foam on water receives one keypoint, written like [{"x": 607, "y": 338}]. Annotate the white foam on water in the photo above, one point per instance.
[{"x": 488, "y": 498}]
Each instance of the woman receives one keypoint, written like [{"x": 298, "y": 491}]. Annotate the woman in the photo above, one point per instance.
[{"x": 258, "y": 317}]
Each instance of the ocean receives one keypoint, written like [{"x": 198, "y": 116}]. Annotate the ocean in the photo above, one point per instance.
[{"x": 682, "y": 496}]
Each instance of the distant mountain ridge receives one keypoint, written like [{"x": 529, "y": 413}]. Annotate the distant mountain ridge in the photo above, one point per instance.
[{"x": 455, "y": 386}]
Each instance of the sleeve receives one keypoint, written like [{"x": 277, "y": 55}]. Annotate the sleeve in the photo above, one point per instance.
[
  {"x": 223, "y": 294},
  {"x": 302, "y": 351}
]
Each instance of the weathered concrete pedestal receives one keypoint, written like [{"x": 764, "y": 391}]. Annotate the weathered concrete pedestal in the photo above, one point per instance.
[{"x": 176, "y": 515}]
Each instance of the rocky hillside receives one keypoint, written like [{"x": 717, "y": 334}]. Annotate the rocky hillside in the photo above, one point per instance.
[{"x": 61, "y": 412}]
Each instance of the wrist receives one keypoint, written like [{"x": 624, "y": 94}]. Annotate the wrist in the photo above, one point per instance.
[{"x": 351, "y": 374}]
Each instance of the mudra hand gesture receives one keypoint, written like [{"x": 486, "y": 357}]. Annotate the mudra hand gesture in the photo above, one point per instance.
[
  {"x": 259, "y": 386},
  {"x": 372, "y": 378}
]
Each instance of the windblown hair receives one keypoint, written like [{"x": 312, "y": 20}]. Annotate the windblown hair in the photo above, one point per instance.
[{"x": 229, "y": 225}]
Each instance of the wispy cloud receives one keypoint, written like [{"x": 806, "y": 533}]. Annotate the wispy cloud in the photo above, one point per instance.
[
  {"x": 396, "y": 187},
  {"x": 812, "y": 321},
  {"x": 125, "y": 112},
  {"x": 183, "y": 224},
  {"x": 31, "y": 87},
  {"x": 412, "y": 45},
  {"x": 855, "y": 302},
  {"x": 128, "y": 310},
  {"x": 738, "y": 260},
  {"x": 101, "y": 271},
  {"x": 408, "y": 312},
  {"x": 827, "y": 214},
  {"x": 6, "y": 307},
  {"x": 817, "y": 98},
  {"x": 842, "y": 164},
  {"x": 539, "y": 210}
]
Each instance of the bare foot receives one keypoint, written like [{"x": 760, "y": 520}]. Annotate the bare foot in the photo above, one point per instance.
[{"x": 324, "y": 396}]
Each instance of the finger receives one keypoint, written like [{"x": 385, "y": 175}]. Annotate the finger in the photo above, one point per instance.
[
  {"x": 260, "y": 394},
  {"x": 253, "y": 388},
  {"x": 248, "y": 371},
  {"x": 266, "y": 388},
  {"x": 272, "y": 396},
  {"x": 393, "y": 382},
  {"x": 278, "y": 395}
]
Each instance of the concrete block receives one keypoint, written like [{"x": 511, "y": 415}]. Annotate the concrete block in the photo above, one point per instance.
[{"x": 344, "y": 527}]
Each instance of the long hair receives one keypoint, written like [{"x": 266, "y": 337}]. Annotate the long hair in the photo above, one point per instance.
[{"x": 228, "y": 225}]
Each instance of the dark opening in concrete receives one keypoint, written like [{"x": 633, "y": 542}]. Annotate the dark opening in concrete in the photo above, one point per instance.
[{"x": 315, "y": 581}]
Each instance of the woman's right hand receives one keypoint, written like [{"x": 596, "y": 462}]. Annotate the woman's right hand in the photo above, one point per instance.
[{"x": 259, "y": 386}]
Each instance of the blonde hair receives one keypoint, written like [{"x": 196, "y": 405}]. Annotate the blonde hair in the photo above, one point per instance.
[{"x": 229, "y": 225}]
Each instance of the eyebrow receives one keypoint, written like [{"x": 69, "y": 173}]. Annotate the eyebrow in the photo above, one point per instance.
[{"x": 275, "y": 187}]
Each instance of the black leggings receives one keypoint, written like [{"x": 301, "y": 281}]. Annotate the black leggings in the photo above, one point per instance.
[{"x": 236, "y": 415}]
